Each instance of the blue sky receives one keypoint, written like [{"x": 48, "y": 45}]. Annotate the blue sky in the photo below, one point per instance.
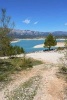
[{"x": 38, "y": 15}]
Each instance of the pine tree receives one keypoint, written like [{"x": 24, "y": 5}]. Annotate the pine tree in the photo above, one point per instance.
[{"x": 50, "y": 41}]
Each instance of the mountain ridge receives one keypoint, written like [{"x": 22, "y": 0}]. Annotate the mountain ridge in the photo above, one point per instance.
[{"x": 16, "y": 33}]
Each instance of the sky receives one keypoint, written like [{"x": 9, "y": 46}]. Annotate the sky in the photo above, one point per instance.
[{"x": 37, "y": 15}]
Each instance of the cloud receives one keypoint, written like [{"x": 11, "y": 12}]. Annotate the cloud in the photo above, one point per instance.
[
  {"x": 65, "y": 24},
  {"x": 36, "y": 22},
  {"x": 26, "y": 21}
]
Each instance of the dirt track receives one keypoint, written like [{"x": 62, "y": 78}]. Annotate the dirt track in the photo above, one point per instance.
[{"x": 50, "y": 87}]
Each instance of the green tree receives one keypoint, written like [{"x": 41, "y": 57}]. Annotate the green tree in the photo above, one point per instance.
[
  {"x": 5, "y": 27},
  {"x": 50, "y": 41}
]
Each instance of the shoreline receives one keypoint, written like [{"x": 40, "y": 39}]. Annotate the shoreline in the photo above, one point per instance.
[
  {"x": 17, "y": 39},
  {"x": 59, "y": 44}
]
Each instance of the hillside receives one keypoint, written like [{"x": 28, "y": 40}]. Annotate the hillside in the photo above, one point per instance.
[{"x": 35, "y": 34}]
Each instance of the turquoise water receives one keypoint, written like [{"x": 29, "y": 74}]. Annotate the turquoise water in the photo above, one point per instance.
[{"x": 29, "y": 44}]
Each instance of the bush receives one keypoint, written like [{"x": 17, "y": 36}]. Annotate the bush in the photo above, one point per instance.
[
  {"x": 26, "y": 63},
  {"x": 64, "y": 70},
  {"x": 12, "y": 50},
  {"x": 11, "y": 65},
  {"x": 60, "y": 48},
  {"x": 4, "y": 76},
  {"x": 6, "y": 66},
  {"x": 5, "y": 69}
]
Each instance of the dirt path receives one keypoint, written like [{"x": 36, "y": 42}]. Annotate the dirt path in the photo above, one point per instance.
[
  {"x": 18, "y": 79},
  {"x": 50, "y": 87}
]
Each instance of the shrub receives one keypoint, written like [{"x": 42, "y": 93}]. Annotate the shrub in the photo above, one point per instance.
[
  {"x": 60, "y": 48},
  {"x": 6, "y": 66},
  {"x": 64, "y": 70},
  {"x": 5, "y": 69},
  {"x": 26, "y": 63},
  {"x": 11, "y": 65},
  {"x": 14, "y": 50}
]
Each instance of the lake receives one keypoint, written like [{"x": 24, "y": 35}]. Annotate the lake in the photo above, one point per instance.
[{"x": 29, "y": 44}]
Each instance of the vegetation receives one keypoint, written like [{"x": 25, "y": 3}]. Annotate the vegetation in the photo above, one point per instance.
[
  {"x": 50, "y": 41},
  {"x": 5, "y": 27},
  {"x": 64, "y": 70},
  {"x": 60, "y": 48},
  {"x": 14, "y": 50},
  {"x": 64, "y": 60},
  {"x": 63, "y": 64},
  {"x": 9, "y": 66}
]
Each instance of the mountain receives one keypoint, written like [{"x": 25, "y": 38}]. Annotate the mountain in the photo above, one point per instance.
[{"x": 35, "y": 34}]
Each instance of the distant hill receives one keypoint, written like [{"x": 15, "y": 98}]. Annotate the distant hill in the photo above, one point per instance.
[{"x": 35, "y": 34}]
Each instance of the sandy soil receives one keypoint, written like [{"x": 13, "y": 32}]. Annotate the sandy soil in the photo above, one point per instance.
[{"x": 47, "y": 56}]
